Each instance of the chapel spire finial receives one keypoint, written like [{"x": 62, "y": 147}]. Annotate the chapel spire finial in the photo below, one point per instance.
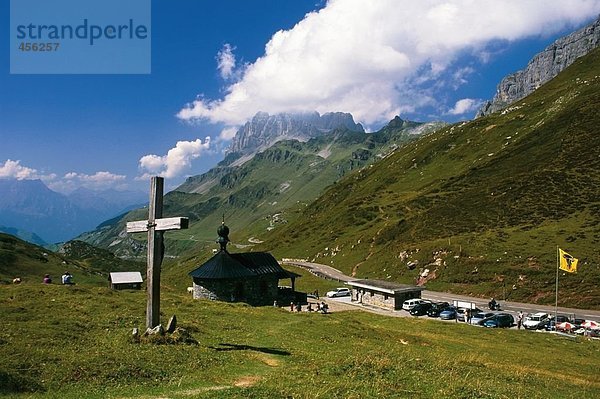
[{"x": 223, "y": 232}]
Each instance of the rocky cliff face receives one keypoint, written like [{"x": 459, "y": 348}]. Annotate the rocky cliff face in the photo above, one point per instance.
[
  {"x": 264, "y": 130},
  {"x": 543, "y": 67}
]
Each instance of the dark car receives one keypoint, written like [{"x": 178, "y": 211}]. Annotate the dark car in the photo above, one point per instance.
[
  {"x": 420, "y": 309},
  {"x": 594, "y": 333},
  {"x": 561, "y": 318},
  {"x": 499, "y": 320},
  {"x": 448, "y": 314},
  {"x": 548, "y": 325},
  {"x": 577, "y": 323},
  {"x": 437, "y": 308}
]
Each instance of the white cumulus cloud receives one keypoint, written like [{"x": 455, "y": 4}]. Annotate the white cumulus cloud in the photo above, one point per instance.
[
  {"x": 228, "y": 133},
  {"x": 69, "y": 182},
  {"x": 14, "y": 170},
  {"x": 465, "y": 105},
  {"x": 177, "y": 160},
  {"x": 226, "y": 61},
  {"x": 97, "y": 178},
  {"x": 371, "y": 58},
  {"x": 102, "y": 180}
]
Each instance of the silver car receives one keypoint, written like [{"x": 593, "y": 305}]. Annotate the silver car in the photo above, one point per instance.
[
  {"x": 338, "y": 292},
  {"x": 477, "y": 317}
]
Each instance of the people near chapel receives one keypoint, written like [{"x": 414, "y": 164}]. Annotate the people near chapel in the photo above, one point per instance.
[{"x": 67, "y": 278}]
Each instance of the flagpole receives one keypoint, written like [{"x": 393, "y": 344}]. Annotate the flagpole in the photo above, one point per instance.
[{"x": 556, "y": 301}]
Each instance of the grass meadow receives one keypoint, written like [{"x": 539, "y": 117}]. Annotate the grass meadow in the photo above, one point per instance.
[{"x": 74, "y": 342}]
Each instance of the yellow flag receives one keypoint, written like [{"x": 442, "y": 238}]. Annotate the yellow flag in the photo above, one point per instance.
[{"x": 567, "y": 262}]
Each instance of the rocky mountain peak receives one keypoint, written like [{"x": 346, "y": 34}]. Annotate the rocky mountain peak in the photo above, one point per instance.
[
  {"x": 543, "y": 67},
  {"x": 397, "y": 122},
  {"x": 264, "y": 130}
]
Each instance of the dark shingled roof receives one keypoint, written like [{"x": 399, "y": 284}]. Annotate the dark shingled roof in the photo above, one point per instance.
[{"x": 242, "y": 265}]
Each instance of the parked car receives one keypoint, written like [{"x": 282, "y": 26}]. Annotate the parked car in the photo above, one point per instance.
[
  {"x": 561, "y": 318},
  {"x": 579, "y": 331},
  {"x": 577, "y": 323},
  {"x": 594, "y": 333},
  {"x": 548, "y": 325},
  {"x": 338, "y": 292},
  {"x": 532, "y": 322},
  {"x": 437, "y": 308},
  {"x": 460, "y": 313},
  {"x": 499, "y": 320},
  {"x": 449, "y": 313},
  {"x": 421, "y": 309},
  {"x": 411, "y": 303},
  {"x": 477, "y": 317}
]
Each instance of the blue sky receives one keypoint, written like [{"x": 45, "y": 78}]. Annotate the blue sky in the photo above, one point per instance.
[{"x": 211, "y": 72}]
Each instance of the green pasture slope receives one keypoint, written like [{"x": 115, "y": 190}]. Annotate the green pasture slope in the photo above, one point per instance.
[
  {"x": 31, "y": 262},
  {"x": 256, "y": 195},
  {"x": 493, "y": 198},
  {"x": 73, "y": 342}
]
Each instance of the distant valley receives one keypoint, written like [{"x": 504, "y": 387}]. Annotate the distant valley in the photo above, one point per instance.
[{"x": 30, "y": 210}]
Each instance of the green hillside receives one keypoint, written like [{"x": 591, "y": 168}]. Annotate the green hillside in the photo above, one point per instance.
[
  {"x": 98, "y": 260},
  {"x": 74, "y": 342},
  {"x": 24, "y": 235},
  {"x": 255, "y": 196},
  {"x": 484, "y": 204},
  {"x": 30, "y": 262}
]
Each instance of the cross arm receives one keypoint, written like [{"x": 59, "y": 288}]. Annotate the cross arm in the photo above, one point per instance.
[{"x": 177, "y": 223}]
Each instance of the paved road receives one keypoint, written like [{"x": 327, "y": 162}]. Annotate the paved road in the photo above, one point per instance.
[{"x": 331, "y": 273}]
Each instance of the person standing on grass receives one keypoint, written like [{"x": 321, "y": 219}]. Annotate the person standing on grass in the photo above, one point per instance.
[{"x": 67, "y": 279}]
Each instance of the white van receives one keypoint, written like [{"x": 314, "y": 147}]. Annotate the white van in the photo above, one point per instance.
[
  {"x": 411, "y": 303},
  {"x": 532, "y": 322}
]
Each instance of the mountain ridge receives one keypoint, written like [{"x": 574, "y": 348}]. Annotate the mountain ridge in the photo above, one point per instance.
[
  {"x": 264, "y": 130},
  {"x": 255, "y": 195},
  {"x": 543, "y": 67},
  {"x": 24, "y": 235},
  {"x": 480, "y": 205}
]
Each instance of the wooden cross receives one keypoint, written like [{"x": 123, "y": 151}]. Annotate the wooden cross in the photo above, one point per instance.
[{"x": 155, "y": 226}]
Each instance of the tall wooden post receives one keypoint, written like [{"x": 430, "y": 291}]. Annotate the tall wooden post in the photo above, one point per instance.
[
  {"x": 155, "y": 252},
  {"x": 155, "y": 226}
]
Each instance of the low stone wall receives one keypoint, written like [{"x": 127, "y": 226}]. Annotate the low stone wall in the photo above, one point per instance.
[
  {"x": 382, "y": 300},
  {"x": 256, "y": 291},
  {"x": 373, "y": 298}
]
